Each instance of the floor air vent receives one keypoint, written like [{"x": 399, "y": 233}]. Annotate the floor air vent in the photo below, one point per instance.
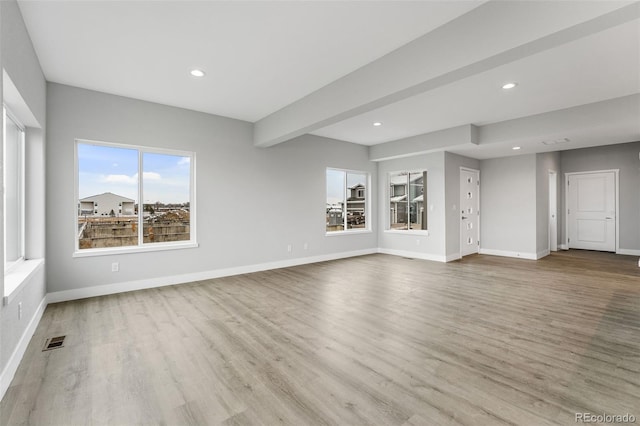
[{"x": 54, "y": 343}]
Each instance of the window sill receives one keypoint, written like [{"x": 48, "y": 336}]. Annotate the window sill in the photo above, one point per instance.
[
  {"x": 407, "y": 232},
  {"x": 353, "y": 231},
  {"x": 134, "y": 249},
  {"x": 16, "y": 279}
]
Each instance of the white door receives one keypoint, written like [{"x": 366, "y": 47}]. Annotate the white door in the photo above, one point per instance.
[
  {"x": 553, "y": 211},
  {"x": 469, "y": 211},
  {"x": 592, "y": 211}
]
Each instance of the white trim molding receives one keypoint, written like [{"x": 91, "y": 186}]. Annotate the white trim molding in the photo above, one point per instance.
[
  {"x": 102, "y": 290},
  {"x": 453, "y": 256},
  {"x": 628, "y": 252},
  {"x": 413, "y": 255},
  {"x": 14, "y": 361},
  {"x": 506, "y": 253}
]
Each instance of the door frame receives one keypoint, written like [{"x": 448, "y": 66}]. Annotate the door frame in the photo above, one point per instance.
[
  {"x": 553, "y": 196},
  {"x": 467, "y": 169},
  {"x": 616, "y": 181}
]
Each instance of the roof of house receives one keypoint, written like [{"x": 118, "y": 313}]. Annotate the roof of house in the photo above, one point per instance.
[
  {"x": 398, "y": 198},
  {"x": 99, "y": 196},
  {"x": 401, "y": 179}
]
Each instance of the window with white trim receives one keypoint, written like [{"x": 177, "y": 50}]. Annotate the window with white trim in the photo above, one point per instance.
[
  {"x": 407, "y": 200},
  {"x": 14, "y": 193},
  {"x": 347, "y": 200},
  {"x": 132, "y": 197}
]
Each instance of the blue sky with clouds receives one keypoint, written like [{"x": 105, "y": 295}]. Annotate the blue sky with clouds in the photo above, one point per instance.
[{"x": 113, "y": 169}]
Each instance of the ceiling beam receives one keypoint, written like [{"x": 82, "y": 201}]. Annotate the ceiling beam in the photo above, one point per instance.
[
  {"x": 494, "y": 34},
  {"x": 442, "y": 140}
]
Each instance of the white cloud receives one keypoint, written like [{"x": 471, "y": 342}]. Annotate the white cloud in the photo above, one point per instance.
[
  {"x": 150, "y": 176},
  {"x": 184, "y": 161},
  {"x": 130, "y": 180},
  {"x": 122, "y": 179}
]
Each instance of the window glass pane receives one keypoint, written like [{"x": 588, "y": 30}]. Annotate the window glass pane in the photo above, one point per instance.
[
  {"x": 398, "y": 189},
  {"x": 356, "y": 200},
  {"x": 13, "y": 182},
  {"x": 417, "y": 212},
  {"x": 335, "y": 209},
  {"x": 107, "y": 196},
  {"x": 407, "y": 200},
  {"x": 166, "y": 192}
]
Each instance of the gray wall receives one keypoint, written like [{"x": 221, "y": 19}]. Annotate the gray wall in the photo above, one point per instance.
[
  {"x": 429, "y": 246},
  {"x": 21, "y": 64},
  {"x": 508, "y": 204},
  {"x": 453, "y": 162},
  {"x": 623, "y": 157},
  {"x": 251, "y": 202},
  {"x": 544, "y": 163}
]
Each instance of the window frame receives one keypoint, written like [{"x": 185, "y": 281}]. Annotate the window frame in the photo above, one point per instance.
[
  {"x": 407, "y": 231},
  {"x": 141, "y": 247},
  {"x": 367, "y": 202},
  {"x": 13, "y": 265}
]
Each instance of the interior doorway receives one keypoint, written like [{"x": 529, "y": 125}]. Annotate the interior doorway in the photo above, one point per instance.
[
  {"x": 553, "y": 210},
  {"x": 469, "y": 211},
  {"x": 592, "y": 210}
]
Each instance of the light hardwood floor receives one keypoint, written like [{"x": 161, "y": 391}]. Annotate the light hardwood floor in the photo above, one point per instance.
[{"x": 376, "y": 339}]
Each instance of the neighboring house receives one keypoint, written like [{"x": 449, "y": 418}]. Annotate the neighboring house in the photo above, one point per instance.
[
  {"x": 107, "y": 204},
  {"x": 406, "y": 196},
  {"x": 356, "y": 199}
]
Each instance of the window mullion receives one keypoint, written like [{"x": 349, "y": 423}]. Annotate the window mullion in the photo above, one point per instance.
[
  {"x": 408, "y": 200},
  {"x": 344, "y": 197},
  {"x": 140, "y": 200},
  {"x": 4, "y": 183},
  {"x": 23, "y": 195}
]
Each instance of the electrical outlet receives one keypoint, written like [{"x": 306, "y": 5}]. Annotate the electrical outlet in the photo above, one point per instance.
[
  {"x": 417, "y": 242},
  {"x": 306, "y": 246},
  {"x": 20, "y": 310},
  {"x": 115, "y": 267},
  {"x": 289, "y": 248}
]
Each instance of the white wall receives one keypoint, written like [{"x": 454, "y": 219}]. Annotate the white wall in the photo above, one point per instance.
[
  {"x": 21, "y": 65},
  {"x": 431, "y": 246},
  {"x": 251, "y": 202},
  {"x": 508, "y": 206},
  {"x": 624, "y": 157}
]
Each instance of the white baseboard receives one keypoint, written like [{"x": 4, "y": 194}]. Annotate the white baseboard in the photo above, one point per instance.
[
  {"x": 452, "y": 257},
  {"x": 413, "y": 255},
  {"x": 14, "y": 361},
  {"x": 543, "y": 253},
  {"x": 629, "y": 252},
  {"x": 82, "y": 293},
  {"x": 563, "y": 246},
  {"x": 505, "y": 253}
]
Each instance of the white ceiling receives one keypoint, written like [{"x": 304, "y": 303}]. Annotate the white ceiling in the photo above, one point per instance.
[
  {"x": 265, "y": 57},
  {"x": 259, "y": 56},
  {"x": 598, "y": 67}
]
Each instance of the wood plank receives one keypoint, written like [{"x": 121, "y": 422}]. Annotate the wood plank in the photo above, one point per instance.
[{"x": 369, "y": 340}]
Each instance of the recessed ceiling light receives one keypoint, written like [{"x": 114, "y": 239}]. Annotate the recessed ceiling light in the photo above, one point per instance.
[
  {"x": 509, "y": 86},
  {"x": 197, "y": 73},
  {"x": 377, "y": 124},
  {"x": 515, "y": 148}
]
